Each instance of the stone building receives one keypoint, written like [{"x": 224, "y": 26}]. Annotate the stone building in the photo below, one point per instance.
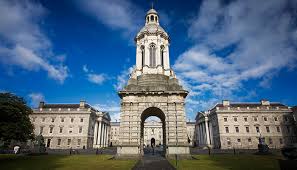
[
  {"x": 191, "y": 135},
  {"x": 239, "y": 125},
  {"x": 152, "y": 130},
  {"x": 71, "y": 125},
  {"x": 152, "y": 90}
]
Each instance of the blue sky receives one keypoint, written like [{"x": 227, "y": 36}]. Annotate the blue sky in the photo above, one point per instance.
[{"x": 64, "y": 51}]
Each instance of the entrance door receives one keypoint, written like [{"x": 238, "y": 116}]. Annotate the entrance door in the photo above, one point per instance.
[
  {"x": 48, "y": 143},
  {"x": 153, "y": 142}
]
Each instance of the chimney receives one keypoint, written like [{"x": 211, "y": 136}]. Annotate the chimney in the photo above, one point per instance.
[
  {"x": 226, "y": 103},
  {"x": 82, "y": 104},
  {"x": 265, "y": 102},
  {"x": 41, "y": 104}
]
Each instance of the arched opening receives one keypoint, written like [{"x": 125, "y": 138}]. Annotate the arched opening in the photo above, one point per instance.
[
  {"x": 142, "y": 55},
  {"x": 152, "y": 18},
  {"x": 162, "y": 54},
  {"x": 153, "y": 132},
  {"x": 152, "y": 55}
]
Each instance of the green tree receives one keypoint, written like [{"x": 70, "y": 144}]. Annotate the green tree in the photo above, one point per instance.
[{"x": 15, "y": 123}]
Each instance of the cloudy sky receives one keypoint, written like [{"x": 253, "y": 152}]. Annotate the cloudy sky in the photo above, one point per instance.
[{"x": 64, "y": 51}]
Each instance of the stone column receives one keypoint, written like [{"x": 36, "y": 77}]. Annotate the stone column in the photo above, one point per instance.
[
  {"x": 107, "y": 136},
  {"x": 99, "y": 133},
  {"x": 103, "y": 134},
  {"x": 95, "y": 133},
  {"x": 207, "y": 132}
]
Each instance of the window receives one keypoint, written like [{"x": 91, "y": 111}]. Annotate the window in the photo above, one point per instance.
[
  {"x": 72, "y": 119},
  {"x": 62, "y": 119},
  {"x": 255, "y": 119},
  {"x": 68, "y": 141},
  {"x": 147, "y": 19},
  {"x": 59, "y": 142},
  {"x": 228, "y": 141},
  {"x": 152, "y": 18},
  {"x": 245, "y": 119},
  {"x": 237, "y": 129},
  {"x": 257, "y": 129},
  {"x": 43, "y": 119},
  {"x": 61, "y": 129},
  {"x": 53, "y": 119},
  {"x": 156, "y": 18},
  {"x": 78, "y": 141},
  {"x": 238, "y": 140},
  {"x": 247, "y": 129},
  {"x": 270, "y": 141},
  {"x": 277, "y": 128},
  {"x": 225, "y": 119},
  {"x": 265, "y": 118},
  {"x": 33, "y": 119},
  {"x": 275, "y": 118},
  {"x": 70, "y": 131},
  {"x": 152, "y": 55},
  {"x": 249, "y": 140},
  {"x": 41, "y": 130},
  {"x": 142, "y": 55},
  {"x": 162, "y": 54},
  {"x": 280, "y": 141},
  {"x": 81, "y": 120},
  {"x": 267, "y": 129},
  {"x": 51, "y": 129},
  {"x": 227, "y": 129},
  {"x": 80, "y": 129},
  {"x": 235, "y": 119}
]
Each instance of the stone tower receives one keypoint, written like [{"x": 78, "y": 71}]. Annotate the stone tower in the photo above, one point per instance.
[{"x": 152, "y": 90}]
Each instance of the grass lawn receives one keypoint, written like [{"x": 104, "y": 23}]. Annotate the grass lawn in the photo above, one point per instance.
[
  {"x": 234, "y": 162},
  {"x": 74, "y": 162}
]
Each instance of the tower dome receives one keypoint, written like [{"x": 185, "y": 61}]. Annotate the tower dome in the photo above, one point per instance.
[{"x": 152, "y": 48}]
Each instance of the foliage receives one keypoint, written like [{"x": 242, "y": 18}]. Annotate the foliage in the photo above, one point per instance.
[{"x": 15, "y": 124}]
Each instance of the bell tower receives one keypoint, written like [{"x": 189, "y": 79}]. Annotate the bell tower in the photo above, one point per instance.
[
  {"x": 152, "y": 90},
  {"x": 152, "y": 48}
]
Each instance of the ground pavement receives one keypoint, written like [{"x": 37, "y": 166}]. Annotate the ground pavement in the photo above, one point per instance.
[{"x": 152, "y": 161}]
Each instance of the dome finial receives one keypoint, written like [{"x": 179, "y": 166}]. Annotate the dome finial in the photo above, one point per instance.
[{"x": 152, "y": 5}]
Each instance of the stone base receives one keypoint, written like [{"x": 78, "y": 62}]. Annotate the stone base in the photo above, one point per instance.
[
  {"x": 181, "y": 151},
  {"x": 128, "y": 151}
]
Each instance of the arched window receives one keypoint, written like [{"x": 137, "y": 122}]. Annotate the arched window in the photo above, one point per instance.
[
  {"x": 152, "y": 55},
  {"x": 162, "y": 54},
  {"x": 152, "y": 18},
  {"x": 156, "y": 19},
  {"x": 147, "y": 19},
  {"x": 142, "y": 55}
]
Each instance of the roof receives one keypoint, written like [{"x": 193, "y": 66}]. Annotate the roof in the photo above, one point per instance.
[
  {"x": 152, "y": 11},
  {"x": 64, "y": 105},
  {"x": 250, "y": 105}
]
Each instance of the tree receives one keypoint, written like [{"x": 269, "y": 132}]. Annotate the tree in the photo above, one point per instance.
[{"x": 15, "y": 123}]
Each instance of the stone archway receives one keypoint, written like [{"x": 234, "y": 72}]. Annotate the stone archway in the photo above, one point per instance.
[{"x": 152, "y": 111}]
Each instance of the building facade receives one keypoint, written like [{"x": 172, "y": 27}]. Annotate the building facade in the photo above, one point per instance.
[
  {"x": 239, "y": 125},
  {"x": 66, "y": 126},
  {"x": 152, "y": 90},
  {"x": 152, "y": 130}
]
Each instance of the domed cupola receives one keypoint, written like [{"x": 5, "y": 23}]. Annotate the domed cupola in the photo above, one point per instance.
[{"x": 152, "y": 48}]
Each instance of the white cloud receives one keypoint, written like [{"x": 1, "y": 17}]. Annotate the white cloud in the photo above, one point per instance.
[
  {"x": 123, "y": 78},
  {"x": 36, "y": 98},
  {"x": 112, "y": 108},
  {"x": 22, "y": 43},
  {"x": 116, "y": 14},
  {"x": 93, "y": 77},
  {"x": 256, "y": 37},
  {"x": 96, "y": 78}
]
